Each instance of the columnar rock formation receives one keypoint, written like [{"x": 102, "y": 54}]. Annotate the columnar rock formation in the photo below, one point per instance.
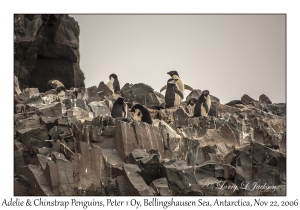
[
  {"x": 46, "y": 47},
  {"x": 69, "y": 146}
]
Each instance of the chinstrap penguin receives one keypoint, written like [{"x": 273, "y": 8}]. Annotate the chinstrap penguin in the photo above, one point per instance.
[
  {"x": 181, "y": 86},
  {"x": 173, "y": 96}
]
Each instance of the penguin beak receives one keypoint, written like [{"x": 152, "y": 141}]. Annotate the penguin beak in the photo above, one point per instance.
[{"x": 169, "y": 73}]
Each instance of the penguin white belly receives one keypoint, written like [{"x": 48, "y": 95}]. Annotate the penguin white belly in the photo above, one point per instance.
[
  {"x": 124, "y": 114},
  {"x": 137, "y": 115},
  {"x": 179, "y": 84},
  {"x": 203, "y": 110},
  {"x": 110, "y": 84},
  {"x": 177, "y": 100}
]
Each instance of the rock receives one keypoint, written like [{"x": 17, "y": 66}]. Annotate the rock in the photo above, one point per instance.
[
  {"x": 30, "y": 122},
  {"x": 19, "y": 161},
  {"x": 34, "y": 138},
  {"x": 46, "y": 47},
  {"x": 264, "y": 99},
  {"x": 51, "y": 175},
  {"x": 16, "y": 85},
  {"x": 136, "y": 184},
  {"x": 194, "y": 94},
  {"x": 122, "y": 186},
  {"x": 136, "y": 155},
  {"x": 65, "y": 173},
  {"x": 150, "y": 168},
  {"x": 104, "y": 89},
  {"x": 111, "y": 188},
  {"x": 28, "y": 93},
  {"x": 39, "y": 184},
  {"x": 142, "y": 94},
  {"x": 49, "y": 122},
  {"x": 229, "y": 171},
  {"x": 247, "y": 99},
  {"x": 234, "y": 102},
  {"x": 88, "y": 165},
  {"x": 180, "y": 177},
  {"x": 99, "y": 108},
  {"x": 161, "y": 187},
  {"x": 53, "y": 110},
  {"x": 19, "y": 189},
  {"x": 204, "y": 170}
]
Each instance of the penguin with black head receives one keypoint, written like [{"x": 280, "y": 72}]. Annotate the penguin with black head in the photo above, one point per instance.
[
  {"x": 191, "y": 102},
  {"x": 173, "y": 96},
  {"x": 120, "y": 108},
  {"x": 181, "y": 86},
  {"x": 56, "y": 84},
  {"x": 141, "y": 113},
  {"x": 113, "y": 83},
  {"x": 203, "y": 104}
]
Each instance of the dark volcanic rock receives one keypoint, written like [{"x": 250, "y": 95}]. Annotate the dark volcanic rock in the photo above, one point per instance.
[
  {"x": 246, "y": 99},
  {"x": 150, "y": 168},
  {"x": 46, "y": 47},
  {"x": 264, "y": 99},
  {"x": 143, "y": 94}
]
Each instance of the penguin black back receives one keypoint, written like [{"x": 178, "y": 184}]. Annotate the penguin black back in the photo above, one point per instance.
[
  {"x": 145, "y": 113},
  {"x": 119, "y": 108},
  {"x": 202, "y": 105},
  {"x": 116, "y": 84},
  {"x": 170, "y": 99}
]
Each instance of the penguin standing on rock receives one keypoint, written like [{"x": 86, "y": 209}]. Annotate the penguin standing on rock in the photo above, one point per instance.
[
  {"x": 181, "y": 86},
  {"x": 113, "y": 83},
  {"x": 173, "y": 96},
  {"x": 203, "y": 104},
  {"x": 141, "y": 113},
  {"x": 58, "y": 86},
  {"x": 119, "y": 109}
]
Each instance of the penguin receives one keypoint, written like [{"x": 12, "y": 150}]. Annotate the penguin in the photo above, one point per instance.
[
  {"x": 172, "y": 94},
  {"x": 141, "y": 113},
  {"x": 113, "y": 83},
  {"x": 181, "y": 86},
  {"x": 189, "y": 106},
  {"x": 120, "y": 108},
  {"x": 203, "y": 104},
  {"x": 57, "y": 85},
  {"x": 191, "y": 102}
]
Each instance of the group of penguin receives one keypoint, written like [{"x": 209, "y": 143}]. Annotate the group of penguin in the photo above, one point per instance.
[{"x": 173, "y": 98}]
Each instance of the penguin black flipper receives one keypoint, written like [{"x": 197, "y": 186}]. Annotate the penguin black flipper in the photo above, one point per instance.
[
  {"x": 163, "y": 88},
  {"x": 178, "y": 92},
  {"x": 116, "y": 85},
  {"x": 188, "y": 87}
]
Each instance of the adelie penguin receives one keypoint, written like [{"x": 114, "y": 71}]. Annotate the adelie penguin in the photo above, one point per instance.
[
  {"x": 203, "y": 104},
  {"x": 119, "y": 109},
  {"x": 141, "y": 113},
  {"x": 57, "y": 85},
  {"x": 113, "y": 83},
  {"x": 172, "y": 93},
  {"x": 181, "y": 86}
]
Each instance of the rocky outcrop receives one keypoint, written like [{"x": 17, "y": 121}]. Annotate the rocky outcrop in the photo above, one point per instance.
[
  {"x": 72, "y": 146},
  {"x": 46, "y": 47}
]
